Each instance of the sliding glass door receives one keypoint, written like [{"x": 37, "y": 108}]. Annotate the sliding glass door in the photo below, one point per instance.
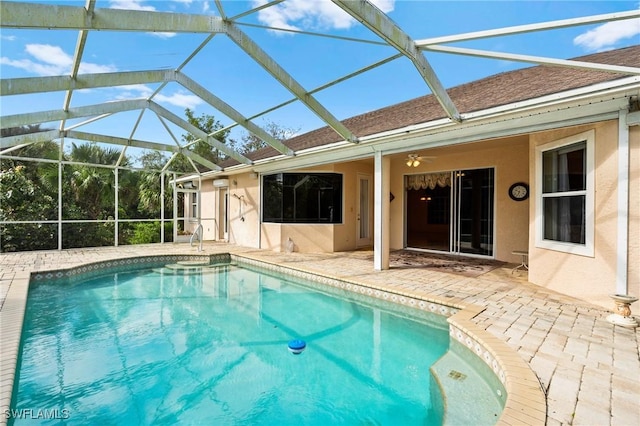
[
  {"x": 473, "y": 230},
  {"x": 451, "y": 211}
]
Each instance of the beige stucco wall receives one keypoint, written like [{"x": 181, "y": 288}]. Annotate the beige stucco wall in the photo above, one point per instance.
[
  {"x": 321, "y": 237},
  {"x": 208, "y": 209},
  {"x": 244, "y": 232},
  {"x": 306, "y": 238},
  {"x": 513, "y": 159},
  {"x": 345, "y": 235},
  {"x": 508, "y": 157},
  {"x": 592, "y": 278}
]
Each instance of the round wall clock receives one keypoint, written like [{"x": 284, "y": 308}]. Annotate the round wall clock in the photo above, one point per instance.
[{"x": 519, "y": 191}]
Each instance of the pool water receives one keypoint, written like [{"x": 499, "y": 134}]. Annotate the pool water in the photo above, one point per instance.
[{"x": 170, "y": 346}]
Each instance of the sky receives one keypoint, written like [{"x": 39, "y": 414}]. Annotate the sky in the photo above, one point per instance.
[{"x": 229, "y": 73}]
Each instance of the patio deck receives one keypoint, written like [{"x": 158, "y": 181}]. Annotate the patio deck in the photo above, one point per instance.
[{"x": 587, "y": 367}]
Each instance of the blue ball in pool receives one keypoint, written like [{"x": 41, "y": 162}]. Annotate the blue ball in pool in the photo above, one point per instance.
[{"x": 297, "y": 346}]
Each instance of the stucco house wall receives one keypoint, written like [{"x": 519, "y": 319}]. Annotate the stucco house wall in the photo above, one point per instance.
[
  {"x": 593, "y": 277},
  {"x": 508, "y": 157},
  {"x": 208, "y": 210},
  {"x": 244, "y": 210},
  {"x": 537, "y": 99}
]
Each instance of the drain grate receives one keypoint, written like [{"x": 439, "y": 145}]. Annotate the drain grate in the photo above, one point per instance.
[{"x": 456, "y": 375}]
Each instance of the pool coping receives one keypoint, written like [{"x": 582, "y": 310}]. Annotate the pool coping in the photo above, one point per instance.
[{"x": 525, "y": 402}]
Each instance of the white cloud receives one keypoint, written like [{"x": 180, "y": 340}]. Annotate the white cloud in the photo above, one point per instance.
[
  {"x": 205, "y": 6},
  {"x": 607, "y": 35},
  {"x": 163, "y": 35},
  {"x": 8, "y": 38},
  {"x": 51, "y": 60},
  {"x": 180, "y": 98},
  {"x": 311, "y": 14},
  {"x": 139, "y": 5},
  {"x": 28, "y": 65},
  {"x": 141, "y": 89},
  {"x": 52, "y": 55},
  {"x": 131, "y": 5}
]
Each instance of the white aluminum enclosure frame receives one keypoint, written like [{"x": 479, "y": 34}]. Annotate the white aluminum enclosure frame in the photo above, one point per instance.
[
  {"x": 88, "y": 19},
  {"x": 17, "y": 15}
]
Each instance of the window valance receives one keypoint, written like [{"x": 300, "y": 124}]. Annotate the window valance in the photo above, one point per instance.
[{"x": 428, "y": 180}]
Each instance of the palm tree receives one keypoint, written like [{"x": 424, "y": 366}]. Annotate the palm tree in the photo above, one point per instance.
[{"x": 92, "y": 188}]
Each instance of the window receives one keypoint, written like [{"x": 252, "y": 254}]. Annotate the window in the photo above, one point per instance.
[
  {"x": 565, "y": 202},
  {"x": 302, "y": 198},
  {"x": 193, "y": 208}
]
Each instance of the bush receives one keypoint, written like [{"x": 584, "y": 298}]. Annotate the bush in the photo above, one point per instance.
[{"x": 145, "y": 233}]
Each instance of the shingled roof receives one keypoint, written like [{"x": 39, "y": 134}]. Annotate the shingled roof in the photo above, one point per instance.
[{"x": 500, "y": 89}]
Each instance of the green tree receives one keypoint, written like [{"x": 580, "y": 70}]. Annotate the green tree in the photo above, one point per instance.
[
  {"x": 149, "y": 186},
  {"x": 89, "y": 194},
  {"x": 22, "y": 130},
  {"x": 209, "y": 125},
  {"x": 29, "y": 192},
  {"x": 92, "y": 188},
  {"x": 22, "y": 199},
  {"x": 252, "y": 143}
]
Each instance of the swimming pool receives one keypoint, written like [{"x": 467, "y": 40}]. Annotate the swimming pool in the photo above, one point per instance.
[{"x": 167, "y": 345}]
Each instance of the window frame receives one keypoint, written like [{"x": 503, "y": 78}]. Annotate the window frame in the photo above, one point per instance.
[
  {"x": 586, "y": 249},
  {"x": 310, "y": 173},
  {"x": 194, "y": 204}
]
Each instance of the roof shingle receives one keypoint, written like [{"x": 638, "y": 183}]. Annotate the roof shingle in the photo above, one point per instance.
[{"x": 497, "y": 90}]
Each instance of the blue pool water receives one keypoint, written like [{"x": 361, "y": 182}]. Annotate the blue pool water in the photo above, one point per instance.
[{"x": 167, "y": 346}]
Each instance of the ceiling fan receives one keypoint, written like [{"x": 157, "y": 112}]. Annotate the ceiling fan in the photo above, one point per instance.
[{"x": 414, "y": 160}]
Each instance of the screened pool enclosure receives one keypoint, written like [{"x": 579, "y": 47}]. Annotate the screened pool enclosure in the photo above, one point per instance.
[{"x": 96, "y": 149}]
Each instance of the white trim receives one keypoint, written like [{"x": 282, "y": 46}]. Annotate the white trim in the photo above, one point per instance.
[
  {"x": 446, "y": 133},
  {"x": 362, "y": 242},
  {"x": 586, "y": 249},
  {"x": 580, "y": 106}
]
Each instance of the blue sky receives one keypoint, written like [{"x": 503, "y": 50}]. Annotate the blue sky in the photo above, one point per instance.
[{"x": 230, "y": 74}]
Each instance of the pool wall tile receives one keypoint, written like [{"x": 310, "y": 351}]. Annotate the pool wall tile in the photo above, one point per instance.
[
  {"x": 353, "y": 287},
  {"x": 110, "y": 266}
]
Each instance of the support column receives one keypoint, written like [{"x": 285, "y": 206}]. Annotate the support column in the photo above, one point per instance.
[
  {"x": 115, "y": 214},
  {"x": 162, "y": 195},
  {"x": 622, "y": 266},
  {"x": 381, "y": 186}
]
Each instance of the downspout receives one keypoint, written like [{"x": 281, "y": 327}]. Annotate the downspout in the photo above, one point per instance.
[{"x": 625, "y": 121}]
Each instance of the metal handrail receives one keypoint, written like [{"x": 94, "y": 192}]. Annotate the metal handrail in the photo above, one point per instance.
[{"x": 199, "y": 230}]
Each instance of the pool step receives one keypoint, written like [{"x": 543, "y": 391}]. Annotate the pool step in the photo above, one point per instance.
[
  {"x": 191, "y": 263},
  {"x": 189, "y": 267},
  {"x": 469, "y": 387}
]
